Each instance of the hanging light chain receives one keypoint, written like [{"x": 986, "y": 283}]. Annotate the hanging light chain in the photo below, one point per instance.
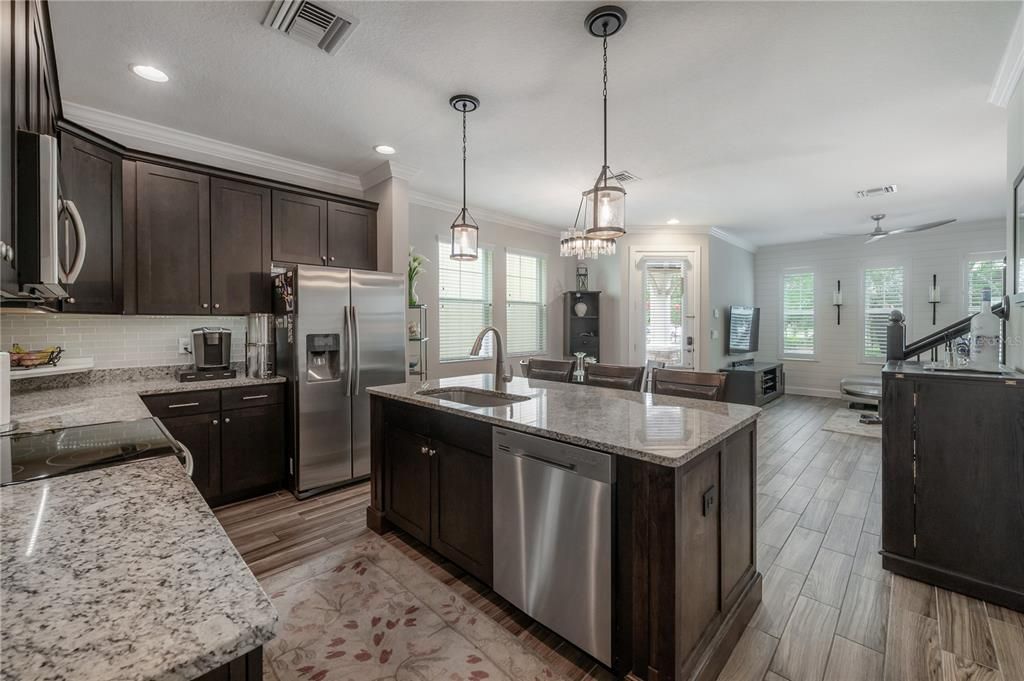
[
  {"x": 464, "y": 161},
  {"x": 604, "y": 95}
]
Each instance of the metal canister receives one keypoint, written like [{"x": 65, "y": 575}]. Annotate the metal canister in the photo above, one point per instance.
[{"x": 259, "y": 345}]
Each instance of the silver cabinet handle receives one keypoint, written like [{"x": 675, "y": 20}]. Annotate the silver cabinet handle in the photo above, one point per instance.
[
  {"x": 255, "y": 397},
  {"x": 183, "y": 404},
  {"x": 424, "y": 450},
  {"x": 227, "y": 420},
  {"x": 349, "y": 361},
  {"x": 190, "y": 463},
  {"x": 216, "y": 306},
  {"x": 432, "y": 452},
  {"x": 205, "y": 305},
  {"x": 332, "y": 258},
  {"x": 215, "y": 422},
  {"x": 69, "y": 300},
  {"x": 323, "y": 258}
]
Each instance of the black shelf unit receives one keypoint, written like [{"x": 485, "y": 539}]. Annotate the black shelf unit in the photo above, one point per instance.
[
  {"x": 582, "y": 333},
  {"x": 756, "y": 384}
]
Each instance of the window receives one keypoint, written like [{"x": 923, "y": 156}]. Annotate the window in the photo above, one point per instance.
[
  {"x": 663, "y": 308},
  {"x": 798, "y": 314},
  {"x": 464, "y": 303},
  {"x": 527, "y": 315},
  {"x": 984, "y": 271},
  {"x": 883, "y": 293}
]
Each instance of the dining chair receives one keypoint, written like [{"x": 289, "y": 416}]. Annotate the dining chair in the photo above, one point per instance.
[
  {"x": 696, "y": 384},
  {"x": 549, "y": 369},
  {"x": 614, "y": 376}
]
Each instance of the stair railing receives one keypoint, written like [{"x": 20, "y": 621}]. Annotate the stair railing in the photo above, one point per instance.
[{"x": 897, "y": 347}]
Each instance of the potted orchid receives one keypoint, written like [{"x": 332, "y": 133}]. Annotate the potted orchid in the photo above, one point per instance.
[{"x": 416, "y": 263}]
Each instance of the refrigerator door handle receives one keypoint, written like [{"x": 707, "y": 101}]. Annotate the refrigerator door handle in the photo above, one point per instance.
[
  {"x": 348, "y": 354},
  {"x": 355, "y": 350}
]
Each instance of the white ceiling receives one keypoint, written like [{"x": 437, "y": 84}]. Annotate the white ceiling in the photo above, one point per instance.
[{"x": 760, "y": 118}]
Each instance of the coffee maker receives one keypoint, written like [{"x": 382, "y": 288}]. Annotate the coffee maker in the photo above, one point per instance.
[{"x": 211, "y": 355}]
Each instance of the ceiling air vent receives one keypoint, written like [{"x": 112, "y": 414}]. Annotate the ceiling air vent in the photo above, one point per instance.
[
  {"x": 310, "y": 23},
  {"x": 625, "y": 176},
  {"x": 876, "y": 191}
]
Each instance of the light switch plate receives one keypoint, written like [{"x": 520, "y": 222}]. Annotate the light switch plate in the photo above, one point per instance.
[
  {"x": 714, "y": 334},
  {"x": 717, "y": 313}
]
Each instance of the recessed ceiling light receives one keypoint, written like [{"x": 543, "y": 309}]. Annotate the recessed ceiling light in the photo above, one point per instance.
[
  {"x": 149, "y": 73},
  {"x": 673, "y": 221},
  {"x": 384, "y": 149}
]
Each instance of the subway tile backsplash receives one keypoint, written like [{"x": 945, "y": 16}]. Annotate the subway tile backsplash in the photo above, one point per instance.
[{"x": 115, "y": 341}]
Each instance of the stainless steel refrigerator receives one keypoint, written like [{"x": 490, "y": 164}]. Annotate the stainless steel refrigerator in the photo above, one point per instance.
[{"x": 338, "y": 332}]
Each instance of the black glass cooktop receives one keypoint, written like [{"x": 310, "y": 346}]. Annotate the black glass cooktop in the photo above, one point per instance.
[{"x": 33, "y": 456}]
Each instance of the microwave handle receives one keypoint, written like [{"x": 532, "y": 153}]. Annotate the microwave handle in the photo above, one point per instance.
[{"x": 69, "y": 276}]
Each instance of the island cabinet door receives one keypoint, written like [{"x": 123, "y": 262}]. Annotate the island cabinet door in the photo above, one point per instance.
[
  {"x": 252, "y": 450},
  {"x": 407, "y": 481},
  {"x": 736, "y": 507},
  {"x": 461, "y": 527},
  {"x": 200, "y": 433},
  {"x": 698, "y": 572}
]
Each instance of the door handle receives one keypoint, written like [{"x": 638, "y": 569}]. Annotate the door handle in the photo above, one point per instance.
[
  {"x": 75, "y": 268},
  {"x": 348, "y": 353},
  {"x": 355, "y": 349},
  {"x": 424, "y": 449}
]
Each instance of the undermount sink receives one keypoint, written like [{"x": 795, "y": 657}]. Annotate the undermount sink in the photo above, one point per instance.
[{"x": 474, "y": 397}]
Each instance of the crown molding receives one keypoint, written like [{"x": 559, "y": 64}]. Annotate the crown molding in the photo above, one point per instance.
[
  {"x": 430, "y": 201},
  {"x": 386, "y": 171},
  {"x": 730, "y": 238},
  {"x": 118, "y": 126},
  {"x": 708, "y": 230},
  {"x": 1010, "y": 68}
]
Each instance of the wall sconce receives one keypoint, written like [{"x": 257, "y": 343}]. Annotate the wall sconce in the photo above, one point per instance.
[
  {"x": 837, "y": 300},
  {"x": 934, "y": 295}
]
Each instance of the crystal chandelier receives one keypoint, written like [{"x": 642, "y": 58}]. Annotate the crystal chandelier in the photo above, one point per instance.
[{"x": 576, "y": 244}]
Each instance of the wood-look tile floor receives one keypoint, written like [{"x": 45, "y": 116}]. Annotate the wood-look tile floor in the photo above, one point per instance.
[{"x": 829, "y": 611}]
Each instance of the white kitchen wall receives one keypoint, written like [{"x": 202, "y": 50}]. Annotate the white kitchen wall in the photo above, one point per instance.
[
  {"x": 942, "y": 251},
  {"x": 427, "y": 225},
  {"x": 113, "y": 340}
]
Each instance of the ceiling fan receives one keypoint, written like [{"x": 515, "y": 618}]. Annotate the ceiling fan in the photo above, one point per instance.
[{"x": 879, "y": 233}]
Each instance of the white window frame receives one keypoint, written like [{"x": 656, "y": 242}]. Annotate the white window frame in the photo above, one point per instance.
[
  {"x": 542, "y": 304},
  {"x": 966, "y": 276},
  {"x": 782, "y": 314},
  {"x": 488, "y": 347},
  {"x": 907, "y": 303}
]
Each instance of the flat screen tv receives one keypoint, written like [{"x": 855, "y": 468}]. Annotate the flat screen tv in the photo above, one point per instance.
[{"x": 742, "y": 329}]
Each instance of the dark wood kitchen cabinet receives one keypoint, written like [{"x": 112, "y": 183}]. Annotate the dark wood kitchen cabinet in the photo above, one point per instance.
[
  {"x": 91, "y": 178},
  {"x": 300, "y": 229},
  {"x": 238, "y": 451},
  {"x": 437, "y": 482},
  {"x": 239, "y": 247},
  {"x": 172, "y": 236},
  {"x": 351, "y": 236}
]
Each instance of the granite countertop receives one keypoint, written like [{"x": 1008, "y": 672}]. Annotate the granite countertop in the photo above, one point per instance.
[
  {"x": 82, "y": 405},
  {"x": 122, "y": 573},
  {"x": 669, "y": 431},
  {"x": 920, "y": 369}
]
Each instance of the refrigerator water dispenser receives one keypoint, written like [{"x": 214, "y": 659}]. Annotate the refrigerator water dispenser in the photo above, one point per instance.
[{"x": 323, "y": 357}]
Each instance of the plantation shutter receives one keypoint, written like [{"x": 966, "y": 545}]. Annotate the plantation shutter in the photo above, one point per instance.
[
  {"x": 526, "y": 322},
  {"x": 984, "y": 273},
  {"x": 798, "y": 314},
  {"x": 464, "y": 303},
  {"x": 883, "y": 293}
]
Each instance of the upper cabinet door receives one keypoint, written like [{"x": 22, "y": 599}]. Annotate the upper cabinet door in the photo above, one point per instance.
[
  {"x": 351, "y": 237},
  {"x": 91, "y": 178},
  {"x": 239, "y": 247},
  {"x": 300, "y": 229},
  {"x": 172, "y": 240}
]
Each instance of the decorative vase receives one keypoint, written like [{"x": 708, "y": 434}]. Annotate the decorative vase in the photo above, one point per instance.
[
  {"x": 580, "y": 308},
  {"x": 414, "y": 298}
]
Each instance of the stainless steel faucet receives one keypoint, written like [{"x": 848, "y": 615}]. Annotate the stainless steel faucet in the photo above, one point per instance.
[{"x": 500, "y": 377}]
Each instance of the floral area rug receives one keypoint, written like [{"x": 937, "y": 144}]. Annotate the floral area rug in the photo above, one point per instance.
[{"x": 367, "y": 613}]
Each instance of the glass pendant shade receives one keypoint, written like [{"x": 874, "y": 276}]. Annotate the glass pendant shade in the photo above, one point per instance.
[
  {"x": 464, "y": 236},
  {"x": 604, "y": 215}
]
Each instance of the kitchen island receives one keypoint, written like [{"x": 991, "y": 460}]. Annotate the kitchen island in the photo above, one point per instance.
[
  {"x": 684, "y": 581},
  {"x": 124, "y": 573}
]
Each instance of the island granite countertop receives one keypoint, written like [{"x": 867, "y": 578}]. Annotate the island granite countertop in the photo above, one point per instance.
[
  {"x": 104, "y": 401},
  {"x": 122, "y": 573},
  {"x": 669, "y": 431}
]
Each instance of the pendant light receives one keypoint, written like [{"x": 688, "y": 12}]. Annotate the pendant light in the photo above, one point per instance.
[
  {"x": 604, "y": 216},
  {"x": 464, "y": 228}
]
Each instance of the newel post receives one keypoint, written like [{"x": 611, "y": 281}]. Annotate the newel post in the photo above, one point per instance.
[{"x": 895, "y": 336}]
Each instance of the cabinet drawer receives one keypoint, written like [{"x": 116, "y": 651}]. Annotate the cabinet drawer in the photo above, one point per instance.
[
  {"x": 253, "y": 396},
  {"x": 183, "y": 404}
]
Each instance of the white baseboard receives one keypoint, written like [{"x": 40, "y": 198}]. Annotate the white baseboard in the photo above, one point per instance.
[{"x": 813, "y": 392}]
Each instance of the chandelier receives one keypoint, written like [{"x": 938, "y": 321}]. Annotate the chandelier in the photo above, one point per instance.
[{"x": 576, "y": 244}]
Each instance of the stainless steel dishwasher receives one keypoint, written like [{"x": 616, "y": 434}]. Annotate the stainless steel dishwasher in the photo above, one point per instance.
[{"x": 553, "y": 536}]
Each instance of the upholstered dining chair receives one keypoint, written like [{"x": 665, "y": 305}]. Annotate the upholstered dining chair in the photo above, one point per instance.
[
  {"x": 614, "y": 376},
  {"x": 548, "y": 369},
  {"x": 696, "y": 384}
]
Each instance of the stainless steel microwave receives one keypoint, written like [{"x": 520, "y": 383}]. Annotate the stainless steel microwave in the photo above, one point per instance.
[{"x": 41, "y": 213}]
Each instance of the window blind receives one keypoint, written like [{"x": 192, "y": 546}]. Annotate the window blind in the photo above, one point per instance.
[
  {"x": 883, "y": 293},
  {"x": 464, "y": 303},
  {"x": 526, "y": 323},
  {"x": 663, "y": 308},
  {"x": 798, "y": 314},
  {"x": 984, "y": 273}
]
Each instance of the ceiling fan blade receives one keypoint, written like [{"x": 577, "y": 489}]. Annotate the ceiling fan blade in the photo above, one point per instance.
[
  {"x": 847, "y": 234},
  {"x": 921, "y": 228},
  {"x": 876, "y": 237}
]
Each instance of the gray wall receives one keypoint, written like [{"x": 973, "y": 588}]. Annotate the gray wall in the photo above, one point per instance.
[{"x": 730, "y": 282}]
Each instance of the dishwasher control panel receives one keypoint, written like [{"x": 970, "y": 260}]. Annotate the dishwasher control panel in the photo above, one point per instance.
[{"x": 586, "y": 462}]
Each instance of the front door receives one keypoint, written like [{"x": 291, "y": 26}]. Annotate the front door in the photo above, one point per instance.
[{"x": 663, "y": 323}]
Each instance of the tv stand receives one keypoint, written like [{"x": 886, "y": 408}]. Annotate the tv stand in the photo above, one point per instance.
[{"x": 756, "y": 383}]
